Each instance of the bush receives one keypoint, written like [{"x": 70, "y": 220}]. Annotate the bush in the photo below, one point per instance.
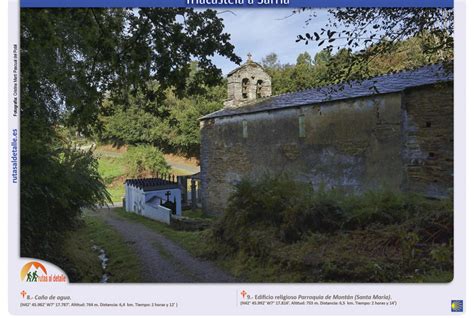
[
  {"x": 273, "y": 203},
  {"x": 287, "y": 207},
  {"x": 57, "y": 185},
  {"x": 142, "y": 161},
  {"x": 331, "y": 236}
]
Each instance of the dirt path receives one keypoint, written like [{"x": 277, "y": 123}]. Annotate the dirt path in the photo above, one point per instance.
[
  {"x": 161, "y": 259},
  {"x": 190, "y": 165},
  {"x": 188, "y": 168}
]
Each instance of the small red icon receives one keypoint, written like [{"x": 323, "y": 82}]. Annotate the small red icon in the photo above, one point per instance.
[
  {"x": 243, "y": 293},
  {"x": 23, "y": 293}
]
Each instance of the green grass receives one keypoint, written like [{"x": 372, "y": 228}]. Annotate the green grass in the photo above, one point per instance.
[
  {"x": 123, "y": 264},
  {"x": 434, "y": 277},
  {"x": 179, "y": 172},
  {"x": 77, "y": 249},
  {"x": 197, "y": 214},
  {"x": 116, "y": 192},
  {"x": 111, "y": 169}
]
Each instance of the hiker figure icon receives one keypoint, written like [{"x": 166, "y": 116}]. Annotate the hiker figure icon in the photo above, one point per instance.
[{"x": 32, "y": 277}]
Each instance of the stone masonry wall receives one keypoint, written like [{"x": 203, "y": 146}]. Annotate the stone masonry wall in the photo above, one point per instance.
[
  {"x": 353, "y": 145},
  {"x": 427, "y": 125},
  {"x": 253, "y": 73}
]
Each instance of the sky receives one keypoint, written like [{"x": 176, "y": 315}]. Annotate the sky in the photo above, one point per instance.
[{"x": 263, "y": 31}]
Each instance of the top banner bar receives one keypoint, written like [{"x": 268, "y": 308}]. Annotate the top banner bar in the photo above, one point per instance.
[{"x": 234, "y": 3}]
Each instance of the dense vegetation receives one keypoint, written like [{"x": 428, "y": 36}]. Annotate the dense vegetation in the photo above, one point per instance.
[
  {"x": 170, "y": 124},
  {"x": 59, "y": 180},
  {"x": 282, "y": 227},
  {"x": 145, "y": 161},
  {"x": 74, "y": 59}
]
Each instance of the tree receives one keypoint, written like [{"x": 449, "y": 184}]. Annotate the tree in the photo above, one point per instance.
[
  {"x": 304, "y": 74},
  {"x": 304, "y": 59},
  {"x": 171, "y": 124},
  {"x": 373, "y": 32},
  {"x": 330, "y": 68},
  {"x": 184, "y": 119},
  {"x": 281, "y": 74},
  {"x": 72, "y": 59},
  {"x": 143, "y": 161},
  {"x": 322, "y": 62},
  {"x": 271, "y": 61}
]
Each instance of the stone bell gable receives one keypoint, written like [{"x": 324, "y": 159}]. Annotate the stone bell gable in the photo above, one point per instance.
[{"x": 247, "y": 83}]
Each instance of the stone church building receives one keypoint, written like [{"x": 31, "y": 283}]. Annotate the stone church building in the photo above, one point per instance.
[{"x": 392, "y": 132}]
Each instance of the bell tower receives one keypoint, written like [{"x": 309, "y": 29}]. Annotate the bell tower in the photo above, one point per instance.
[{"x": 247, "y": 83}]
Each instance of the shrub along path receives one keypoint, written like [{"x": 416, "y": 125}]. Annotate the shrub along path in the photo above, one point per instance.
[{"x": 162, "y": 260}]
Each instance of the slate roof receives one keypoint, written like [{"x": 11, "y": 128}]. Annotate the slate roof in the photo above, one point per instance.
[
  {"x": 383, "y": 84},
  {"x": 151, "y": 184}
]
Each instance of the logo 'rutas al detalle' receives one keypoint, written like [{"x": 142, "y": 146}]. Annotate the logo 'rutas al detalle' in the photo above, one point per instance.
[{"x": 35, "y": 272}]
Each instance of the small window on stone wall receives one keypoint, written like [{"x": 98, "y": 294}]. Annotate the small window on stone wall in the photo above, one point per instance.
[
  {"x": 428, "y": 124},
  {"x": 302, "y": 132},
  {"x": 244, "y": 129},
  {"x": 245, "y": 88},
  {"x": 259, "y": 88}
]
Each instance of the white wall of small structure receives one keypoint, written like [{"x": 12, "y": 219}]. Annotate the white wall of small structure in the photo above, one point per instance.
[
  {"x": 157, "y": 212},
  {"x": 136, "y": 202}
]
